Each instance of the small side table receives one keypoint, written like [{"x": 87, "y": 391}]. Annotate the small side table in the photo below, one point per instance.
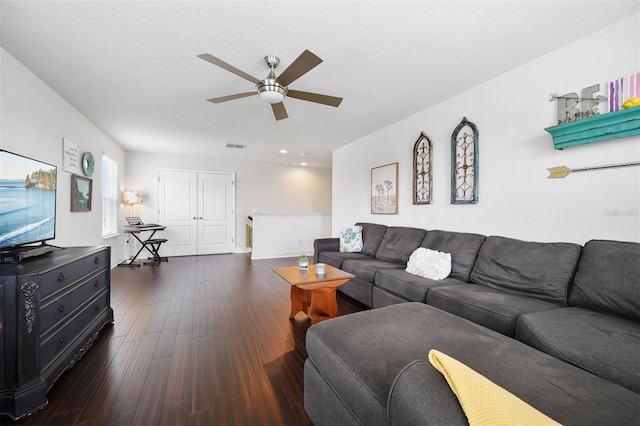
[{"x": 314, "y": 294}]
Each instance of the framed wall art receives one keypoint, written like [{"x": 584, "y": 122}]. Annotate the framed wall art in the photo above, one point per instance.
[
  {"x": 384, "y": 189},
  {"x": 464, "y": 163},
  {"x": 80, "y": 194},
  {"x": 69, "y": 156},
  {"x": 422, "y": 183}
]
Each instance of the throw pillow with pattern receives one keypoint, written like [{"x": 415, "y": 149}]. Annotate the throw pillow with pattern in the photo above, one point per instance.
[{"x": 351, "y": 239}]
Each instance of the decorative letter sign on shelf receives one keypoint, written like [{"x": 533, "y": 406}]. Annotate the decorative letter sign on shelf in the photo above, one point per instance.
[{"x": 612, "y": 125}]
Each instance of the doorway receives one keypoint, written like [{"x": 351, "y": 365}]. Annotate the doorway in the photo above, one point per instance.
[{"x": 198, "y": 210}]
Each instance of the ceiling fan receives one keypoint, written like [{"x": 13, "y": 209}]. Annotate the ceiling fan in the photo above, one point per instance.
[{"x": 274, "y": 89}]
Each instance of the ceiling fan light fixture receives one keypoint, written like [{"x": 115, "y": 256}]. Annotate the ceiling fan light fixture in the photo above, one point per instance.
[
  {"x": 271, "y": 91},
  {"x": 274, "y": 89}
]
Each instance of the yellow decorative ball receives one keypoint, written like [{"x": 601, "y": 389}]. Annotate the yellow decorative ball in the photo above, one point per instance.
[{"x": 631, "y": 103}]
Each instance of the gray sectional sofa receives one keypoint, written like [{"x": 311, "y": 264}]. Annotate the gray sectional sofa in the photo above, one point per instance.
[{"x": 556, "y": 324}]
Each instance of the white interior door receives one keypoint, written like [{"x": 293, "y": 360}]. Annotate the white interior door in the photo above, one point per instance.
[
  {"x": 216, "y": 218},
  {"x": 178, "y": 207},
  {"x": 197, "y": 210}
]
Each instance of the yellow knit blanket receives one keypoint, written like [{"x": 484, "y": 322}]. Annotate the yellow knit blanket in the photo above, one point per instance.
[{"x": 484, "y": 402}]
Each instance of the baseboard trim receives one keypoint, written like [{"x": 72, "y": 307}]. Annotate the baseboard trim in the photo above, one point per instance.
[{"x": 275, "y": 255}]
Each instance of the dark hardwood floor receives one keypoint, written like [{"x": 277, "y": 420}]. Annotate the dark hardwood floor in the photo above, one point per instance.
[{"x": 201, "y": 340}]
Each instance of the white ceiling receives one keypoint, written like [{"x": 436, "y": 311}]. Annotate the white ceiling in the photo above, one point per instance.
[{"x": 131, "y": 66}]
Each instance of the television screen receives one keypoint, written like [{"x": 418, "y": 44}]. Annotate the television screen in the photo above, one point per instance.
[{"x": 27, "y": 200}]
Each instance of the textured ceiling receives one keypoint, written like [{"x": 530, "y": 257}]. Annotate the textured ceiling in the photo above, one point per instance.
[{"x": 131, "y": 66}]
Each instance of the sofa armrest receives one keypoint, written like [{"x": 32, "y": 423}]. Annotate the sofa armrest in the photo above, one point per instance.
[
  {"x": 420, "y": 395},
  {"x": 324, "y": 244}
]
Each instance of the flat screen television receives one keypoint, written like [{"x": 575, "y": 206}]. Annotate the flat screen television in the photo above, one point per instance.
[{"x": 27, "y": 200}]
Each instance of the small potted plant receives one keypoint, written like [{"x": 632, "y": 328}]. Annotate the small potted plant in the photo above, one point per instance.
[{"x": 303, "y": 262}]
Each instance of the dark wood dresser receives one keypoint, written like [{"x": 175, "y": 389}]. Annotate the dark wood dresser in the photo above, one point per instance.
[{"x": 51, "y": 311}]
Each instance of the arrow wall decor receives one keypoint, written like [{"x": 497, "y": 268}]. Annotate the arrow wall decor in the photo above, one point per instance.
[{"x": 559, "y": 172}]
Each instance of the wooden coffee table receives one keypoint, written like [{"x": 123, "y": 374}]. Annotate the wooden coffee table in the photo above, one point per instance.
[{"x": 313, "y": 294}]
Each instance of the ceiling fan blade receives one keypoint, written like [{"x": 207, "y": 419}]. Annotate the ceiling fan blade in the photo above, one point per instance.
[
  {"x": 222, "y": 64},
  {"x": 315, "y": 97},
  {"x": 232, "y": 97},
  {"x": 279, "y": 111},
  {"x": 302, "y": 65}
]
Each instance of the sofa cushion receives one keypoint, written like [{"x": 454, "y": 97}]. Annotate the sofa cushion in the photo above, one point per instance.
[
  {"x": 366, "y": 269},
  {"x": 606, "y": 345},
  {"x": 372, "y": 234},
  {"x": 410, "y": 287},
  {"x": 398, "y": 244},
  {"x": 607, "y": 278},
  {"x": 541, "y": 270},
  {"x": 336, "y": 258},
  {"x": 463, "y": 247},
  {"x": 361, "y": 354},
  {"x": 495, "y": 309}
]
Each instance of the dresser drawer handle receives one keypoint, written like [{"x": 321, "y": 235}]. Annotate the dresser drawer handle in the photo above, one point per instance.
[
  {"x": 97, "y": 308},
  {"x": 96, "y": 284},
  {"x": 62, "y": 340},
  {"x": 96, "y": 260},
  {"x": 60, "y": 276},
  {"x": 61, "y": 308}
]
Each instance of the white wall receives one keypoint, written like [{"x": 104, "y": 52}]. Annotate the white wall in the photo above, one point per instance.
[
  {"x": 34, "y": 120},
  {"x": 515, "y": 197},
  {"x": 266, "y": 187},
  {"x": 287, "y": 234}
]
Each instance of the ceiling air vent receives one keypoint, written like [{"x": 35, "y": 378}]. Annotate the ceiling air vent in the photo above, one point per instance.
[{"x": 234, "y": 146}]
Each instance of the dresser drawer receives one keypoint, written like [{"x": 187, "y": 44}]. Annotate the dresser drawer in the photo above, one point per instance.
[
  {"x": 65, "y": 275},
  {"x": 58, "y": 341},
  {"x": 57, "y": 308}
]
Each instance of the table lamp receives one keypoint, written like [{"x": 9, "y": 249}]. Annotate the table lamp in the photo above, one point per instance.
[{"x": 131, "y": 198}]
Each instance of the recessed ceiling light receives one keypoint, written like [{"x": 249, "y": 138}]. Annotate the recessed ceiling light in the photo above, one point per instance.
[
  {"x": 303, "y": 164},
  {"x": 283, "y": 151},
  {"x": 304, "y": 154}
]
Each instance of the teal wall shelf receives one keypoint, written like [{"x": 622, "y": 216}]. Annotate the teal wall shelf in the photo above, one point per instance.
[{"x": 612, "y": 125}]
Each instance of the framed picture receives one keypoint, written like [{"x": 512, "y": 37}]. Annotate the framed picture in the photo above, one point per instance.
[
  {"x": 80, "y": 194},
  {"x": 384, "y": 189}
]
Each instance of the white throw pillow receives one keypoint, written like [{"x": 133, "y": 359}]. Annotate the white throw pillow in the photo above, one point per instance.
[
  {"x": 428, "y": 263},
  {"x": 351, "y": 239}
]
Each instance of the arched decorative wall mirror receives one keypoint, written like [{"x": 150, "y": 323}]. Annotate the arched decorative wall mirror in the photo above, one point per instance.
[
  {"x": 464, "y": 163},
  {"x": 422, "y": 179}
]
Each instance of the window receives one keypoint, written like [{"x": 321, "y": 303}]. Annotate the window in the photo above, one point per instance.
[{"x": 109, "y": 196}]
